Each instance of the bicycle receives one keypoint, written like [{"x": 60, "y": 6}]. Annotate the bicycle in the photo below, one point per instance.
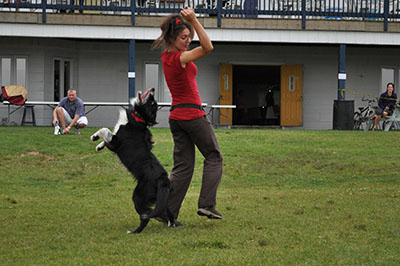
[
  {"x": 394, "y": 126},
  {"x": 362, "y": 118}
]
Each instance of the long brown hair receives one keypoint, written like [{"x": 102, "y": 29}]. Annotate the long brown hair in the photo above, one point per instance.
[{"x": 171, "y": 27}]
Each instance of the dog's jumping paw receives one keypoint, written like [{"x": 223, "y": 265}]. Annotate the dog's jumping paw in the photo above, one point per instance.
[
  {"x": 94, "y": 137},
  {"x": 100, "y": 146}
]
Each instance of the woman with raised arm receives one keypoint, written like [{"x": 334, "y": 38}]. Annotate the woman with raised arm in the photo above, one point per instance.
[{"x": 188, "y": 122}]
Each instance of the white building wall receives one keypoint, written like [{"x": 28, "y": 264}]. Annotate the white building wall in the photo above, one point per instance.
[
  {"x": 100, "y": 73},
  {"x": 103, "y": 77}
]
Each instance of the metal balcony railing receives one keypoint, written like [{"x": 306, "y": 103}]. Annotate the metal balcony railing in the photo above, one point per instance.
[{"x": 371, "y": 10}]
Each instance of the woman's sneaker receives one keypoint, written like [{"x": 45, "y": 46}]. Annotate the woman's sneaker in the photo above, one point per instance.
[{"x": 210, "y": 212}]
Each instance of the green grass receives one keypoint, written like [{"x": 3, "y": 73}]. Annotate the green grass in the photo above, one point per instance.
[{"x": 288, "y": 197}]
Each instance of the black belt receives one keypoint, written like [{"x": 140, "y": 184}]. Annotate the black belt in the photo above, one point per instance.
[{"x": 186, "y": 105}]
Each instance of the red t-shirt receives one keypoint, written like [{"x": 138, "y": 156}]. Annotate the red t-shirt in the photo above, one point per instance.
[{"x": 182, "y": 85}]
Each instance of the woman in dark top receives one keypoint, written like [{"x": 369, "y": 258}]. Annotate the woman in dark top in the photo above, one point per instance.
[{"x": 386, "y": 104}]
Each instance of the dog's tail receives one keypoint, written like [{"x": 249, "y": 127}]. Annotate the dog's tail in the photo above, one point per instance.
[{"x": 164, "y": 187}]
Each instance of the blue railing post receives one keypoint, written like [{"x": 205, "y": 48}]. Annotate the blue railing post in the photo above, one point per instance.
[
  {"x": 44, "y": 3},
  {"x": 385, "y": 14},
  {"x": 131, "y": 69},
  {"x": 133, "y": 3},
  {"x": 219, "y": 10},
  {"x": 342, "y": 72},
  {"x": 303, "y": 14}
]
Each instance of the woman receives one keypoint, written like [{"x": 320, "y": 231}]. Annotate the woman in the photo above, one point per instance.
[
  {"x": 387, "y": 101},
  {"x": 188, "y": 122}
]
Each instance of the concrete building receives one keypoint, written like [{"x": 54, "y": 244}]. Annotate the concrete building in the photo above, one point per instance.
[{"x": 256, "y": 59}]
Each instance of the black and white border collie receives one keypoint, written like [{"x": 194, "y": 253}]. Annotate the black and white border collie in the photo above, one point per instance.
[{"x": 132, "y": 142}]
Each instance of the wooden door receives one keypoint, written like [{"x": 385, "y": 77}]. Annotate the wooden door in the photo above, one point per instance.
[
  {"x": 225, "y": 93},
  {"x": 292, "y": 95}
]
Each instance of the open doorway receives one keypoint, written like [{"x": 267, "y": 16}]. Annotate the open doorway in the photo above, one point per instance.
[{"x": 257, "y": 95}]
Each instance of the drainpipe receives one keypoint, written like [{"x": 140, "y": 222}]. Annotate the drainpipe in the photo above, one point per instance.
[{"x": 131, "y": 71}]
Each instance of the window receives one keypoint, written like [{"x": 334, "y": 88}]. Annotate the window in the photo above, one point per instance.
[
  {"x": 152, "y": 80},
  {"x": 291, "y": 83},
  {"x": 151, "y": 76},
  {"x": 21, "y": 72},
  {"x": 398, "y": 83},
  {"x": 5, "y": 71},
  {"x": 62, "y": 78},
  {"x": 67, "y": 77},
  {"x": 13, "y": 71},
  {"x": 56, "y": 80},
  {"x": 166, "y": 94},
  {"x": 387, "y": 75}
]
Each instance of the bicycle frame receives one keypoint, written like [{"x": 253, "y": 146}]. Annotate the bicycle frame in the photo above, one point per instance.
[{"x": 362, "y": 118}]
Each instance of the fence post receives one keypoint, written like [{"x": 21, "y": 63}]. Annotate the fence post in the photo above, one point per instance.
[
  {"x": 303, "y": 14},
  {"x": 44, "y": 3},
  {"x": 219, "y": 9},
  {"x": 385, "y": 14},
  {"x": 133, "y": 3}
]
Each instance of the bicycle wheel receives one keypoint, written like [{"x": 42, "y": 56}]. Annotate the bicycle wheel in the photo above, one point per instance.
[
  {"x": 369, "y": 124},
  {"x": 396, "y": 126}
]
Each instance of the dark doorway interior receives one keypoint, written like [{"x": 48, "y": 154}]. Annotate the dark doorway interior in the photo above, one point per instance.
[{"x": 256, "y": 94}]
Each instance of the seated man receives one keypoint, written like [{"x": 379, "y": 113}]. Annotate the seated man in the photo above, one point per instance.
[{"x": 70, "y": 110}]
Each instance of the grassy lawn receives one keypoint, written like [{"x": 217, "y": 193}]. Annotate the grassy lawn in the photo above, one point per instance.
[{"x": 288, "y": 197}]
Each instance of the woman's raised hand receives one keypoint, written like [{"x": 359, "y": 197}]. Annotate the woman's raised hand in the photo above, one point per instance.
[{"x": 188, "y": 14}]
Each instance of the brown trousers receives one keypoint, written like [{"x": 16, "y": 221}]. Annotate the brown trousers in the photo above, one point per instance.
[{"x": 188, "y": 134}]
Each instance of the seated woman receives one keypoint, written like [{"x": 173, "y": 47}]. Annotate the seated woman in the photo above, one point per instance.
[{"x": 387, "y": 102}]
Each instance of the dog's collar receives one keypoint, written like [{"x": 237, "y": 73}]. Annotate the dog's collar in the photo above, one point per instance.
[{"x": 135, "y": 115}]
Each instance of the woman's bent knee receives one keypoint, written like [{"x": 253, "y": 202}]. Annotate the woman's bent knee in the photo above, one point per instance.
[{"x": 215, "y": 157}]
